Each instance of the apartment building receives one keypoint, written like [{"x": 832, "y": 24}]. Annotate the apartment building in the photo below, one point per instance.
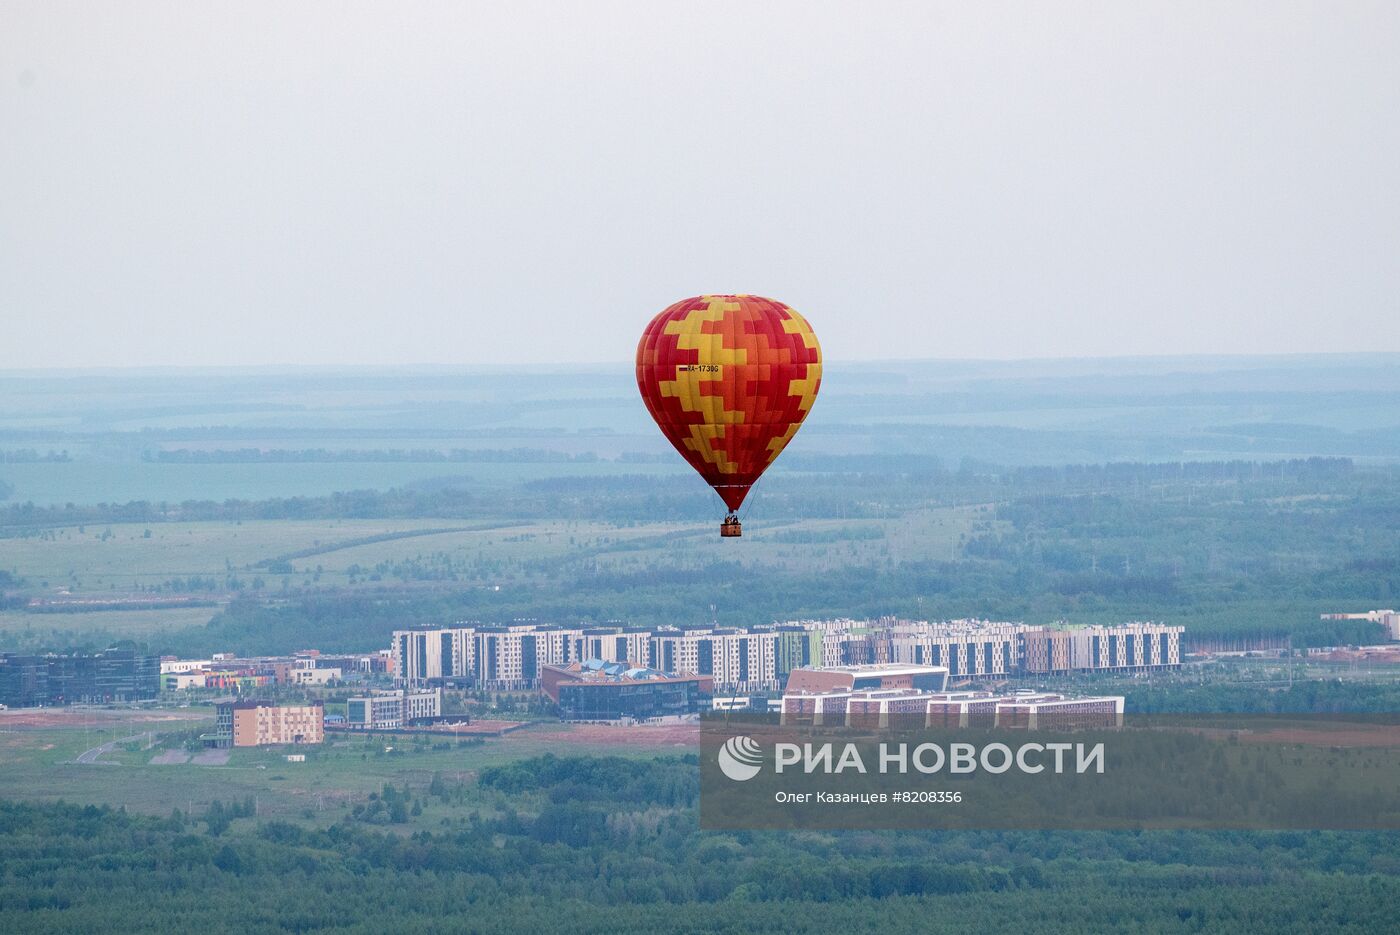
[
  {"x": 761, "y": 658},
  {"x": 1128, "y": 646},
  {"x": 966, "y": 647},
  {"x": 743, "y": 660}
]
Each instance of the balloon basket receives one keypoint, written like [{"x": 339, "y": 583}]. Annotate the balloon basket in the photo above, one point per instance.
[{"x": 730, "y": 529}]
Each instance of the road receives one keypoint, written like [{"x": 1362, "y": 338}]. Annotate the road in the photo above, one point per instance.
[{"x": 93, "y": 756}]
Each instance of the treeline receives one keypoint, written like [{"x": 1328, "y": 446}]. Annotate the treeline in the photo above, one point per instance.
[
  {"x": 1310, "y": 696},
  {"x": 593, "y": 844},
  {"x": 32, "y": 456},
  {"x": 599, "y": 779},
  {"x": 649, "y": 497},
  {"x": 355, "y": 504},
  {"x": 1098, "y": 476},
  {"x": 354, "y": 455}
]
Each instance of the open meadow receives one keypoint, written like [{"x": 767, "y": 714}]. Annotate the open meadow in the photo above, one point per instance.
[
  {"x": 95, "y": 561},
  {"x": 154, "y": 763}
]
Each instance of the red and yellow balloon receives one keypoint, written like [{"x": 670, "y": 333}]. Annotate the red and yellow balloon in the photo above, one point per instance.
[{"x": 729, "y": 379}]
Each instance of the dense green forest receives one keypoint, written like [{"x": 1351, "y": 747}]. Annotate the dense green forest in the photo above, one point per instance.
[{"x": 598, "y": 844}]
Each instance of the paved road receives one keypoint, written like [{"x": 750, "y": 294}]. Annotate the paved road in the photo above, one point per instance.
[{"x": 91, "y": 757}]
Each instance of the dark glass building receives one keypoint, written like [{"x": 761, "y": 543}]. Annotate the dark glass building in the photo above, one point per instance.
[
  {"x": 111, "y": 675},
  {"x": 595, "y": 690}
]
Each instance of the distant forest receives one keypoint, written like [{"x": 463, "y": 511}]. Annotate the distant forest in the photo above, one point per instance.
[
  {"x": 589, "y": 844},
  {"x": 842, "y": 491}
]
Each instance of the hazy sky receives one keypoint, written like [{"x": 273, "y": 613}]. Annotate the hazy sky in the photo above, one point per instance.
[{"x": 514, "y": 182}]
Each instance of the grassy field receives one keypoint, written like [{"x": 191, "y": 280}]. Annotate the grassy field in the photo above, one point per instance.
[
  {"x": 88, "y": 560},
  {"x": 62, "y": 629},
  {"x": 212, "y": 562},
  {"x": 40, "y": 764},
  {"x": 806, "y": 545},
  {"x": 123, "y": 557}
]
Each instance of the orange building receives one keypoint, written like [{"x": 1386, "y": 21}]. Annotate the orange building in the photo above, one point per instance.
[{"x": 257, "y": 724}]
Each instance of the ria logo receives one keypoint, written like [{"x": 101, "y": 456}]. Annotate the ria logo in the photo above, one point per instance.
[{"x": 740, "y": 758}]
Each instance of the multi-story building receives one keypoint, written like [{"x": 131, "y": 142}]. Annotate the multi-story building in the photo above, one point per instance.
[
  {"x": 222, "y": 735},
  {"x": 422, "y": 656},
  {"x": 1127, "y": 646},
  {"x": 613, "y": 692},
  {"x": 98, "y": 678},
  {"x": 966, "y": 647},
  {"x": 510, "y": 657},
  {"x": 838, "y": 647},
  {"x": 616, "y": 644},
  {"x": 796, "y": 647},
  {"x": 393, "y": 710},
  {"x": 496, "y": 657},
  {"x": 738, "y": 659},
  {"x": 24, "y": 681},
  {"x": 261, "y": 723},
  {"x": 1046, "y": 651},
  {"x": 761, "y": 658}
]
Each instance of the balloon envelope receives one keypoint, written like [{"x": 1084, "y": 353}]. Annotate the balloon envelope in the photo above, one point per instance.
[{"x": 729, "y": 379}]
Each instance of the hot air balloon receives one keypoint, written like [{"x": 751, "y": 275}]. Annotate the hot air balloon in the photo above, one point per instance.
[{"x": 729, "y": 379}]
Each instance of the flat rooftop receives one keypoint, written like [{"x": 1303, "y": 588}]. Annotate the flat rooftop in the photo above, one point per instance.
[{"x": 879, "y": 668}]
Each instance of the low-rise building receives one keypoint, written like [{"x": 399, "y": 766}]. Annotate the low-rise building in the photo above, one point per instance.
[
  {"x": 239, "y": 679},
  {"x": 170, "y": 664},
  {"x": 886, "y": 675},
  {"x": 392, "y": 710},
  {"x": 182, "y": 681},
  {"x": 1061, "y": 713},
  {"x": 910, "y": 708},
  {"x": 974, "y": 708},
  {"x": 309, "y": 672}
]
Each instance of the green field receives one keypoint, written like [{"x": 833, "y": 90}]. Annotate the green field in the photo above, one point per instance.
[
  {"x": 40, "y": 764},
  {"x": 66, "y": 629},
  {"x": 329, "y": 553},
  {"x": 123, "y": 557}
]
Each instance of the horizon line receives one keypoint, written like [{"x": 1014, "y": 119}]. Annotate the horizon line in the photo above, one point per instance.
[{"x": 283, "y": 367}]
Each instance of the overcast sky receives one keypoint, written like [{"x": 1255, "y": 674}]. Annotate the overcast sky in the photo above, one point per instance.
[{"x": 454, "y": 183}]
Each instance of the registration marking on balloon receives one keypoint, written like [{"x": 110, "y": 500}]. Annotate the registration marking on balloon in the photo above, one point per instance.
[{"x": 729, "y": 379}]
